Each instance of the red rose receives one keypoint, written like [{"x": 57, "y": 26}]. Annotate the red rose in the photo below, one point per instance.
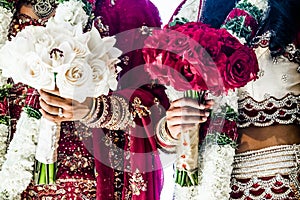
[
  {"x": 190, "y": 29},
  {"x": 241, "y": 67},
  {"x": 211, "y": 42},
  {"x": 230, "y": 43},
  {"x": 194, "y": 78},
  {"x": 168, "y": 70},
  {"x": 230, "y": 129},
  {"x": 154, "y": 45},
  {"x": 178, "y": 43}
]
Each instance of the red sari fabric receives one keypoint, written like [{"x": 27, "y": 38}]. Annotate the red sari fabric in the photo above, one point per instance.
[{"x": 127, "y": 163}]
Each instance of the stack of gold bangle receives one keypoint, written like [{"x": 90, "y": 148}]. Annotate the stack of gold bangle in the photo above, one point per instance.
[
  {"x": 111, "y": 112},
  {"x": 163, "y": 136},
  {"x": 98, "y": 113}
]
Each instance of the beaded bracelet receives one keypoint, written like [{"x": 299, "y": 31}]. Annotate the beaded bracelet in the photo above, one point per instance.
[
  {"x": 115, "y": 115},
  {"x": 125, "y": 117}
]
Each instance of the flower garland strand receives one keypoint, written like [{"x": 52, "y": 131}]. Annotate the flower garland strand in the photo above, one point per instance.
[
  {"x": 16, "y": 172},
  {"x": 218, "y": 150},
  {"x": 5, "y": 19},
  {"x": 4, "y": 120}
]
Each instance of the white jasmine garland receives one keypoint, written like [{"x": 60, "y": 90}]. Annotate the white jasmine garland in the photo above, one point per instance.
[
  {"x": 16, "y": 172},
  {"x": 215, "y": 172},
  {"x": 230, "y": 99},
  {"x": 3, "y": 143},
  {"x": 186, "y": 193},
  {"x": 5, "y": 19},
  {"x": 215, "y": 161},
  {"x": 4, "y": 129}
]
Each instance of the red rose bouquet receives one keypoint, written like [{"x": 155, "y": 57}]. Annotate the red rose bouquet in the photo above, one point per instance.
[{"x": 198, "y": 57}]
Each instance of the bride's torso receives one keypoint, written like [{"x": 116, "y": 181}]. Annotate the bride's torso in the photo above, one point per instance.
[{"x": 269, "y": 106}]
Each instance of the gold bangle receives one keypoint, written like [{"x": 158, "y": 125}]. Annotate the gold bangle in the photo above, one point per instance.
[
  {"x": 163, "y": 135},
  {"x": 102, "y": 110},
  {"x": 121, "y": 116},
  {"x": 91, "y": 112}
]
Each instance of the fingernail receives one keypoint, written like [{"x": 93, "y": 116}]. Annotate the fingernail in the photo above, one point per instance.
[
  {"x": 204, "y": 118},
  {"x": 206, "y": 114}
]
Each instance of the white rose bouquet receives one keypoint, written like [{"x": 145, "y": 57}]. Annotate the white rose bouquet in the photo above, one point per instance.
[{"x": 79, "y": 64}]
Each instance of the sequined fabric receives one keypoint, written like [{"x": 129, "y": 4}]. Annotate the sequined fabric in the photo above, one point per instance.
[
  {"x": 274, "y": 97},
  {"x": 269, "y": 173},
  {"x": 269, "y": 112},
  {"x": 75, "y": 175}
]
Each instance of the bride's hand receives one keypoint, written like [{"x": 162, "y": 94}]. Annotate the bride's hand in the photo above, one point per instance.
[
  {"x": 184, "y": 113},
  {"x": 58, "y": 109}
]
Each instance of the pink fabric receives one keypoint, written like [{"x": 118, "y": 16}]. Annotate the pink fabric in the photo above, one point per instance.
[{"x": 134, "y": 82}]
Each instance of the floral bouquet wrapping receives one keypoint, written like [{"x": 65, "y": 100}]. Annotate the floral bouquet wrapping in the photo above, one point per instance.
[
  {"x": 80, "y": 64},
  {"x": 193, "y": 58}
]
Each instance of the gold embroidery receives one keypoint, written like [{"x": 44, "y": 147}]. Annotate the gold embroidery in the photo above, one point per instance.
[
  {"x": 137, "y": 183},
  {"x": 145, "y": 30},
  {"x": 78, "y": 188},
  {"x": 139, "y": 109}
]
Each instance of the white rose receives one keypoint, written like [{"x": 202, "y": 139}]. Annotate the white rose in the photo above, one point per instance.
[
  {"x": 12, "y": 56},
  {"x": 62, "y": 54},
  {"x": 44, "y": 41},
  {"x": 101, "y": 46},
  {"x": 79, "y": 45},
  {"x": 71, "y": 12},
  {"x": 74, "y": 80},
  {"x": 102, "y": 78},
  {"x": 36, "y": 73}
]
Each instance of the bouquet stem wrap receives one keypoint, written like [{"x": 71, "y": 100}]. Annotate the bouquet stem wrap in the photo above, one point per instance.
[
  {"x": 188, "y": 151},
  {"x": 46, "y": 150}
]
